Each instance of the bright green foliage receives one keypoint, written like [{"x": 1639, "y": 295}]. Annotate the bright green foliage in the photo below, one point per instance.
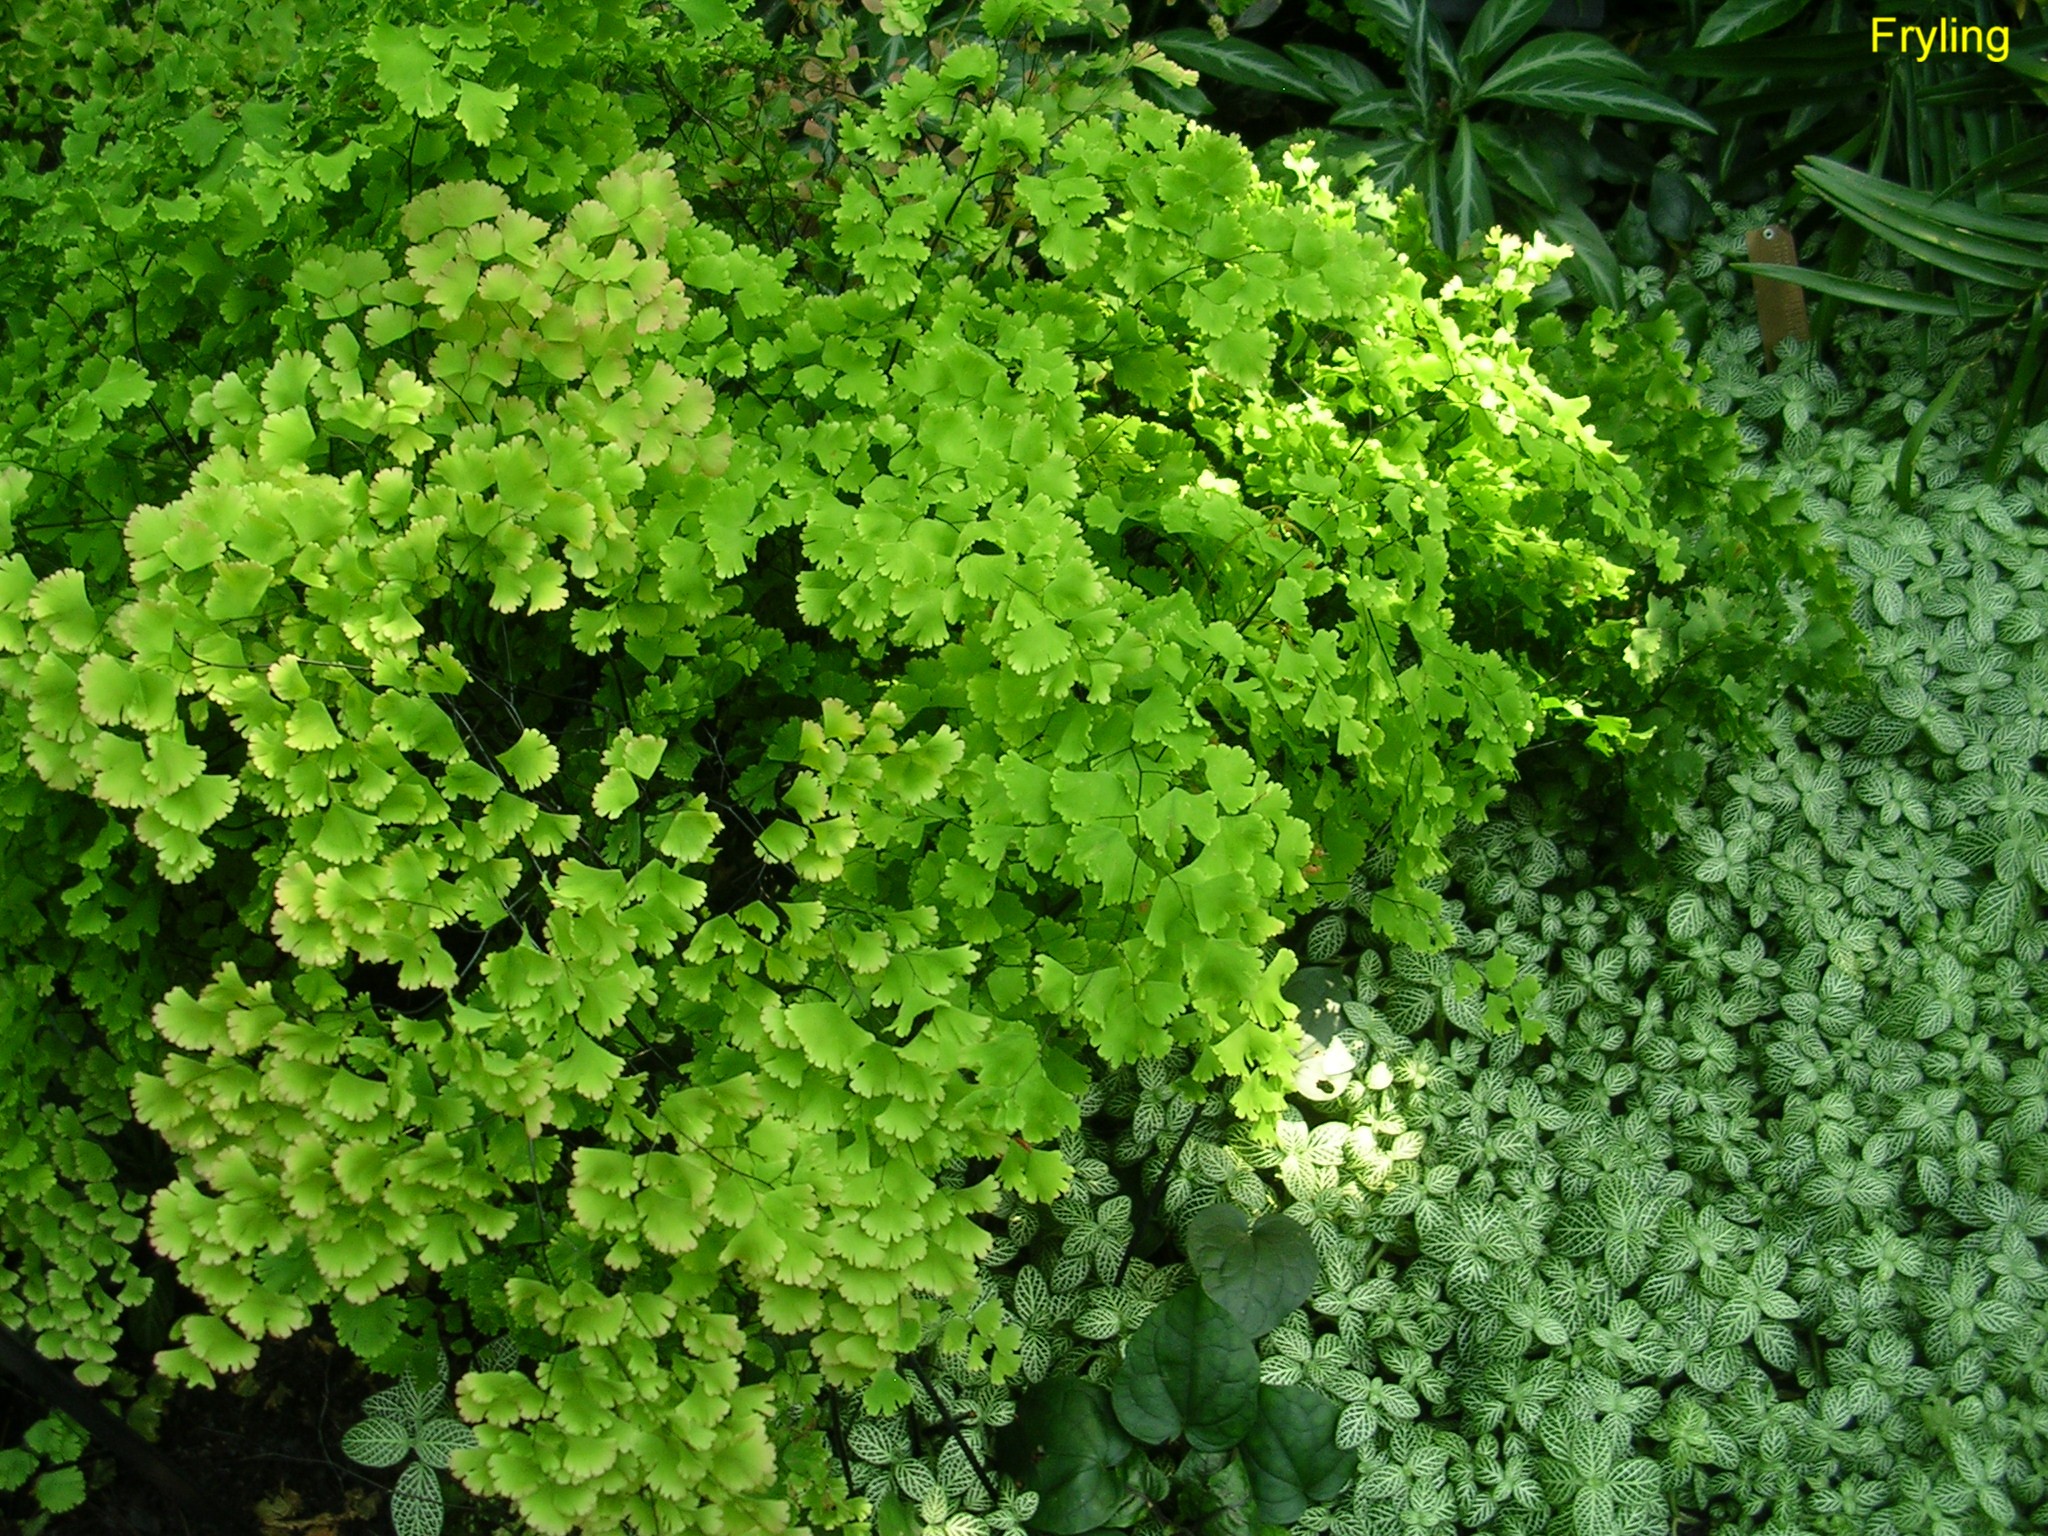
[
  {"x": 665, "y": 749},
  {"x": 54, "y": 1444},
  {"x": 164, "y": 176},
  {"x": 1755, "y": 1239}
]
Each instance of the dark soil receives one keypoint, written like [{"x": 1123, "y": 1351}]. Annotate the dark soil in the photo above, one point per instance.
[{"x": 263, "y": 1450}]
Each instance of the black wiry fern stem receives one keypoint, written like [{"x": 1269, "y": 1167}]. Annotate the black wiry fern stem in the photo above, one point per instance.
[
  {"x": 837, "y": 1435},
  {"x": 1152, "y": 1197},
  {"x": 951, "y": 1426}
]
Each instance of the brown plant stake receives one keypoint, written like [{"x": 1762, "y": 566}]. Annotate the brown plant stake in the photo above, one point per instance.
[{"x": 1780, "y": 306}]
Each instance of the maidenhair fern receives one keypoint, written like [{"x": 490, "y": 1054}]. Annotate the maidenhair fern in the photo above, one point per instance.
[{"x": 1755, "y": 1238}]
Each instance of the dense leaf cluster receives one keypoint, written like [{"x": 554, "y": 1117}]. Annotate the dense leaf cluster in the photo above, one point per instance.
[
  {"x": 1753, "y": 1239},
  {"x": 636, "y": 751}
]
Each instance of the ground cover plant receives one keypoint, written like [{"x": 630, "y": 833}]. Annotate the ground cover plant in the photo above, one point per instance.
[
  {"x": 1712, "y": 1204},
  {"x": 599, "y": 779},
  {"x": 1752, "y": 1239}
]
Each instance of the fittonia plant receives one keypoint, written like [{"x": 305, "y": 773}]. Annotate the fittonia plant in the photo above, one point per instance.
[{"x": 406, "y": 1420}]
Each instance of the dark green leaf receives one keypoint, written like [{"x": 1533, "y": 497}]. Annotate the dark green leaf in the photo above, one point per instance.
[
  {"x": 1319, "y": 992},
  {"x": 1376, "y": 109},
  {"x": 1686, "y": 301},
  {"x": 1499, "y": 25},
  {"x": 1216, "y": 1496},
  {"x": 1788, "y": 100},
  {"x": 1187, "y": 100},
  {"x": 1189, "y": 1370},
  {"x": 1577, "y": 73},
  {"x": 1572, "y": 55},
  {"x": 1593, "y": 258},
  {"x": 1342, "y": 77},
  {"x": 1066, "y": 1446},
  {"x": 2024, "y": 164},
  {"x": 1429, "y": 182},
  {"x": 1676, "y": 208},
  {"x": 1420, "y": 86},
  {"x": 1471, "y": 204},
  {"x": 1852, "y": 288},
  {"x": 1635, "y": 243},
  {"x": 1292, "y": 1453},
  {"x": 1258, "y": 1274},
  {"x": 1786, "y": 58},
  {"x": 1978, "y": 232},
  {"x": 1740, "y": 20},
  {"x": 1527, "y": 163},
  {"x": 1398, "y": 19},
  {"x": 1903, "y": 487},
  {"x": 1237, "y": 62},
  {"x": 1912, "y": 235}
]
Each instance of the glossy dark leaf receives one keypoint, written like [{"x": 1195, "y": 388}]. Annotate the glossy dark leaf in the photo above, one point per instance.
[
  {"x": 1215, "y": 1497},
  {"x": 1386, "y": 110},
  {"x": 1906, "y": 299},
  {"x": 1293, "y": 1455},
  {"x": 1235, "y": 61},
  {"x": 1529, "y": 165},
  {"x": 1593, "y": 258},
  {"x": 1066, "y": 1446},
  {"x": 1740, "y": 20},
  {"x": 1188, "y": 100},
  {"x": 1950, "y": 250},
  {"x": 1342, "y": 77},
  {"x": 1499, "y": 25},
  {"x": 1786, "y": 58},
  {"x": 1471, "y": 204},
  {"x": 1576, "y": 73},
  {"x": 1981, "y": 232},
  {"x": 1398, "y": 19},
  {"x": 1635, "y": 243},
  {"x": 1676, "y": 208},
  {"x": 1190, "y": 1371},
  {"x": 1258, "y": 1274},
  {"x": 1910, "y": 452}
]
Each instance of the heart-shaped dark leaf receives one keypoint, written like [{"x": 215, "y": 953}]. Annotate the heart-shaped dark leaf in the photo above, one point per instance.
[
  {"x": 1067, "y": 1447},
  {"x": 1320, "y": 992},
  {"x": 1256, "y": 1274},
  {"x": 1292, "y": 1453},
  {"x": 1676, "y": 208},
  {"x": 1189, "y": 1370}
]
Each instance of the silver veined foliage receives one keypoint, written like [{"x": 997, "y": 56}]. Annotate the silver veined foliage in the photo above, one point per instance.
[{"x": 404, "y": 1420}]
